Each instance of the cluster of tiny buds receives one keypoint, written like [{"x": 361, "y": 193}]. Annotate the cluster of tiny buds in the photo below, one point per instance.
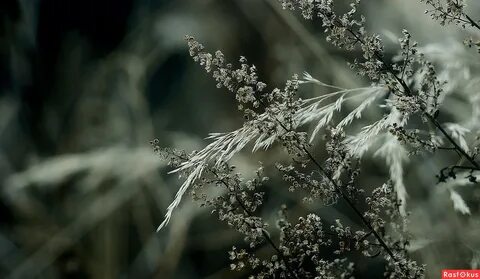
[
  {"x": 447, "y": 11},
  {"x": 414, "y": 89},
  {"x": 412, "y": 138}
]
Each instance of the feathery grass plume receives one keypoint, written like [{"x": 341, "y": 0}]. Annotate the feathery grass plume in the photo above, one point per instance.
[
  {"x": 414, "y": 88},
  {"x": 395, "y": 155},
  {"x": 410, "y": 93},
  {"x": 275, "y": 117},
  {"x": 262, "y": 128},
  {"x": 475, "y": 262},
  {"x": 323, "y": 113},
  {"x": 458, "y": 203},
  {"x": 458, "y": 133},
  {"x": 361, "y": 142},
  {"x": 345, "y": 31},
  {"x": 451, "y": 180}
]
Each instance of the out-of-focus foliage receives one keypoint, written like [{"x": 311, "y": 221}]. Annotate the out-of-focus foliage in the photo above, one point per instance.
[{"x": 85, "y": 85}]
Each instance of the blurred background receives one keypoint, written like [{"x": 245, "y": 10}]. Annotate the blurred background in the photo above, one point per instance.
[{"x": 85, "y": 85}]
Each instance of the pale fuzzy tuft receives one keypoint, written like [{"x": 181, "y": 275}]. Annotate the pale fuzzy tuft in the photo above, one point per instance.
[
  {"x": 194, "y": 175},
  {"x": 225, "y": 145},
  {"x": 321, "y": 109},
  {"x": 395, "y": 155},
  {"x": 458, "y": 133},
  {"x": 458, "y": 203},
  {"x": 361, "y": 142},
  {"x": 475, "y": 262}
]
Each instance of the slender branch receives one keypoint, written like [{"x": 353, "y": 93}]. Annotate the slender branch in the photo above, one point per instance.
[
  {"x": 447, "y": 148},
  {"x": 452, "y": 141},
  {"x": 472, "y": 22}
]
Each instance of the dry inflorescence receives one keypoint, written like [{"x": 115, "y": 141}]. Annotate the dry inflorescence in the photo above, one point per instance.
[{"x": 406, "y": 86}]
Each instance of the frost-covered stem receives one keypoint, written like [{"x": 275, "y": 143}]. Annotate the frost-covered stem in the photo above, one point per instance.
[{"x": 264, "y": 234}]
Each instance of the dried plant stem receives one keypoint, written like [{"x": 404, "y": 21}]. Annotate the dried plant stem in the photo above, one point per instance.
[
  {"x": 264, "y": 234},
  {"x": 409, "y": 92},
  {"x": 472, "y": 22},
  {"x": 452, "y": 141},
  {"x": 352, "y": 205},
  {"x": 338, "y": 190}
]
